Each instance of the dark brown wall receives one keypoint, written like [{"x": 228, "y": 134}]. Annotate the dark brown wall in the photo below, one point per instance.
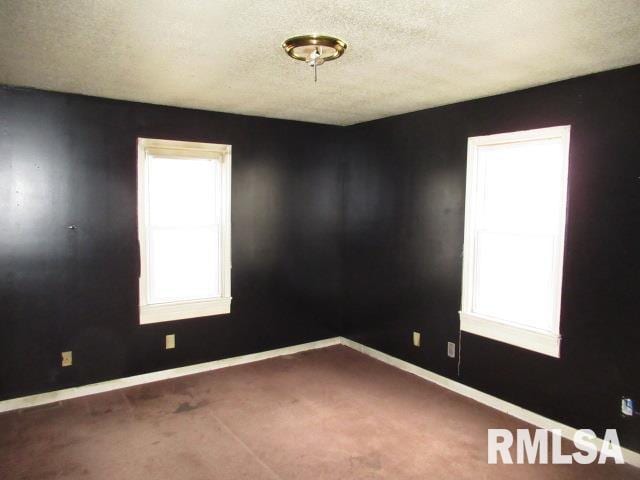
[
  {"x": 68, "y": 159},
  {"x": 404, "y": 224}
]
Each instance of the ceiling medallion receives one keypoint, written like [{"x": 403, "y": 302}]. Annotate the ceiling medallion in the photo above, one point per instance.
[{"x": 314, "y": 50}]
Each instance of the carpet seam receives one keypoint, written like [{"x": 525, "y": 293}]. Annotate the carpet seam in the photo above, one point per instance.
[{"x": 245, "y": 446}]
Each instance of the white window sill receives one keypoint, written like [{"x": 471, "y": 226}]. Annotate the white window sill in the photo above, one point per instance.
[
  {"x": 166, "y": 312},
  {"x": 537, "y": 341}
]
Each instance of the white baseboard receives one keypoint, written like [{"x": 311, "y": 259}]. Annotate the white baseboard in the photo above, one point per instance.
[
  {"x": 75, "y": 392},
  {"x": 631, "y": 457}
]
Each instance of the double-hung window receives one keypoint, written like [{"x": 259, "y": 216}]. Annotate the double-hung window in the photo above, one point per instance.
[
  {"x": 514, "y": 237},
  {"x": 184, "y": 225}
]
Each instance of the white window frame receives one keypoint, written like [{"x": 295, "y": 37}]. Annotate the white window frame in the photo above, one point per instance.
[
  {"x": 545, "y": 342},
  {"x": 164, "y": 312}
]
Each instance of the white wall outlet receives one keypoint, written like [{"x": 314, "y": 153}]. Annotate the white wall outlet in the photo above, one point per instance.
[
  {"x": 67, "y": 359},
  {"x": 416, "y": 339},
  {"x": 170, "y": 342},
  {"x": 627, "y": 408},
  {"x": 451, "y": 349}
]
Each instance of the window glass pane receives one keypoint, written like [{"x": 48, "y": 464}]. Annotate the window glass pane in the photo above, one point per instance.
[
  {"x": 184, "y": 264},
  {"x": 513, "y": 278},
  {"x": 183, "y": 192},
  {"x": 520, "y": 186},
  {"x": 184, "y": 229}
]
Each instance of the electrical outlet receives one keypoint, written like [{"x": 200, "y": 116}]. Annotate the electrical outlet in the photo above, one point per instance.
[
  {"x": 628, "y": 407},
  {"x": 67, "y": 359},
  {"x": 451, "y": 350},
  {"x": 416, "y": 339},
  {"x": 170, "y": 342}
]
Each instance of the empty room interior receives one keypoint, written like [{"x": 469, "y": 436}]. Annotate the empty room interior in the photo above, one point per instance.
[{"x": 319, "y": 240}]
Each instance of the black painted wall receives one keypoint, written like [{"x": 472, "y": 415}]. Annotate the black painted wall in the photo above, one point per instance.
[
  {"x": 403, "y": 238},
  {"x": 359, "y": 234},
  {"x": 68, "y": 159}
]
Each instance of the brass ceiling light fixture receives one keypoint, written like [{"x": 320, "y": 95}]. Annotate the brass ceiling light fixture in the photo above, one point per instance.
[{"x": 314, "y": 50}]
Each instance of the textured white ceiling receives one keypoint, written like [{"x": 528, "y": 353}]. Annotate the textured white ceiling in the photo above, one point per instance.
[{"x": 225, "y": 55}]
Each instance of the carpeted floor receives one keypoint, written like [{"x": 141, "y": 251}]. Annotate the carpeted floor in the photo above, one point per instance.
[{"x": 324, "y": 414}]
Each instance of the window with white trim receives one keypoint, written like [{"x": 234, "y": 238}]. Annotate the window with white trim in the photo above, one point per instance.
[
  {"x": 184, "y": 228},
  {"x": 514, "y": 237}
]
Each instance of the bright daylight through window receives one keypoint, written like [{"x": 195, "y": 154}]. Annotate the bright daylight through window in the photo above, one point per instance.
[
  {"x": 184, "y": 229},
  {"x": 514, "y": 237}
]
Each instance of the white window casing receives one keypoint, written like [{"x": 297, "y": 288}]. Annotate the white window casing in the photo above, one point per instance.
[
  {"x": 515, "y": 214},
  {"x": 184, "y": 229}
]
